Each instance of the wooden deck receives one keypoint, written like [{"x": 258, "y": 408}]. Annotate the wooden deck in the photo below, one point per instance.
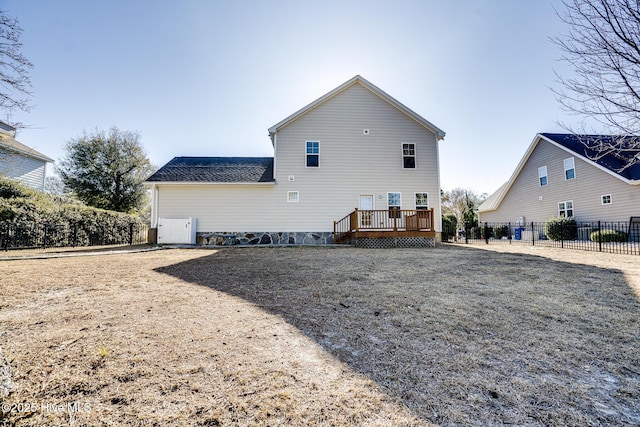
[{"x": 384, "y": 224}]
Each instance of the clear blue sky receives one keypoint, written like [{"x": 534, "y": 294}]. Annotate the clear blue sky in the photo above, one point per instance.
[{"x": 208, "y": 78}]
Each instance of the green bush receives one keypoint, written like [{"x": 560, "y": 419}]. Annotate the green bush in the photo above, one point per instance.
[
  {"x": 32, "y": 214},
  {"x": 561, "y": 229},
  {"x": 449, "y": 224},
  {"x": 609, "y": 236},
  {"x": 500, "y": 231}
]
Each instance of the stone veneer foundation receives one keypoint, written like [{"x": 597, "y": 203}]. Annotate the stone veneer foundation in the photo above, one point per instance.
[{"x": 265, "y": 238}]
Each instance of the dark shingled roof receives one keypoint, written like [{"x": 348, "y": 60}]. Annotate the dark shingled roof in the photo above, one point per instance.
[
  {"x": 581, "y": 145},
  {"x": 215, "y": 169}
]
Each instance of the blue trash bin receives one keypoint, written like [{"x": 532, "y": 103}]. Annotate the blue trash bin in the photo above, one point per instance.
[{"x": 519, "y": 231}]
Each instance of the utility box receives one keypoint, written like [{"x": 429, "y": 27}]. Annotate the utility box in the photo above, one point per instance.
[{"x": 177, "y": 230}]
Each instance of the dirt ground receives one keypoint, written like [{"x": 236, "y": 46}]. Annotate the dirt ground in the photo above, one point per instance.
[{"x": 455, "y": 335}]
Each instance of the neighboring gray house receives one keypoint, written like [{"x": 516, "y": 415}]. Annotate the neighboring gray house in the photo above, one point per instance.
[
  {"x": 354, "y": 147},
  {"x": 19, "y": 162},
  {"x": 558, "y": 177}
]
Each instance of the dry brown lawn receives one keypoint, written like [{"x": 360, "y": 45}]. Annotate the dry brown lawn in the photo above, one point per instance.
[{"x": 326, "y": 336}]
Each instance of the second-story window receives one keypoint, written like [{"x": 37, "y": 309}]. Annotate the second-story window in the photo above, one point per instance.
[
  {"x": 313, "y": 154},
  {"x": 542, "y": 176},
  {"x": 569, "y": 168},
  {"x": 408, "y": 156}
]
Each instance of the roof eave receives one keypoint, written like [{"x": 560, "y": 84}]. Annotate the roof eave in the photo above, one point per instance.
[{"x": 207, "y": 183}]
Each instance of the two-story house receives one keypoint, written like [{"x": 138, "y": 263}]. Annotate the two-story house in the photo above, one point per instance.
[
  {"x": 562, "y": 175},
  {"x": 19, "y": 162},
  {"x": 355, "y": 147}
]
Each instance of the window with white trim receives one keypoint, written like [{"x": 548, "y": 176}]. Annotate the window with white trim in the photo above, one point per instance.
[
  {"x": 313, "y": 154},
  {"x": 293, "y": 196},
  {"x": 394, "y": 204},
  {"x": 565, "y": 209},
  {"x": 408, "y": 156},
  {"x": 606, "y": 199},
  {"x": 422, "y": 201},
  {"x": 569, "y": 168},
  {"x": 543, "y": 180}
]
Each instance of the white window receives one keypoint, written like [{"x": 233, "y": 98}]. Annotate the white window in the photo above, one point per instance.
[
  {"x": 422, "y": 201},
  {"x": 565, "y": 209},
  {"x": 542, "y": 176},
  {"x": 606, "y": 199},
  {"x": 408, "y": 156},
  {"x": 569, "y": 168},
  {"x": 293, "y": 196},
  {"x": 394, "y": 204},
  {"x": 313, "y": 154}
]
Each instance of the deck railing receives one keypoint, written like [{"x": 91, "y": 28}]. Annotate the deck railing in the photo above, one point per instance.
[{"x": 393, "y": 220}]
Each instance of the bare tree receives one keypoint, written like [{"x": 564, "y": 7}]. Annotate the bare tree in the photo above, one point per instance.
[
  {"x": 462, "y": 203},
  {"x": 15, "y": 82},
  {"x": 603, "y": 48}
]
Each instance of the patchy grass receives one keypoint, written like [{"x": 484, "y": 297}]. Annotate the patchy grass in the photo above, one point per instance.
[{"x": 259, "y": 336}]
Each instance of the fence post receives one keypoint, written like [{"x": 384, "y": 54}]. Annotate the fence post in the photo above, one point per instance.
[
  {"x": 486, "y": 233},
  {"x": 599, "y": 237},
  {"x": 466, "y": 233},
  {"x": 509, "y": 236},
  {"x": 533, "y": 235},
  {"x": 44, "y": 241},
  {"x": 130, "y": 234},
  {"x": 6, "y": 236}
]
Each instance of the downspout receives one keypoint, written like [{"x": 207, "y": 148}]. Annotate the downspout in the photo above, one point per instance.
[
  {"x": 438, "y": 220},
  {"x": 155, "y": 194},
  {"x": 274, "y": 139}
]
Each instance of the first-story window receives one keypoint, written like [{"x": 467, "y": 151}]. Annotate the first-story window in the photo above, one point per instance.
[
  {"x": 606, "y": 199},
  {"x": 293, "y": 196},
  {"x": 408, "y": 156},
  {"x": 422, "y": 201},
  {"x": 313, "y": 154},
  {"x": 565, "y": 209},
  {"x": 394, "y": 204}
]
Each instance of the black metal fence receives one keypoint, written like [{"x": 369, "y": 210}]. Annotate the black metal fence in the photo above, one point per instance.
[
  {"x": 612, "y": 237},
  {"x": 46, "y": 235}
]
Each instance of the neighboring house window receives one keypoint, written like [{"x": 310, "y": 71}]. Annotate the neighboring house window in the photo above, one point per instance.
[
  {"x": 606, "y": 199},
  {"x": 565, "y": 209},
  {"x": 409, "y": 156},
  {"x": 313, "y": 154},
  {"x": 569, "y": 168},
  {"x": 393, "y": 202},
  {"x": 293, "y": 196},
  {"x": 422, "y": 201},
  {"x": 542, "y": 176}
]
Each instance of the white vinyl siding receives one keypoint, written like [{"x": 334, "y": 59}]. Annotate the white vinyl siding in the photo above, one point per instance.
[
  {"x": 527, "y": 199},
  {"x": 352, "y": 162},
  {"x": 27, "y": 170}
]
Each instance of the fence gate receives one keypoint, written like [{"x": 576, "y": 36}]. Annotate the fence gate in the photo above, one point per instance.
[{"x": 177, "y": 230}]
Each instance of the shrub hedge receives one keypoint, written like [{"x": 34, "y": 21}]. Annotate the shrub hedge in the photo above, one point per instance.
[
  {"x": 609, "y": 236},
  {"x": 30, "y": 212}
]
